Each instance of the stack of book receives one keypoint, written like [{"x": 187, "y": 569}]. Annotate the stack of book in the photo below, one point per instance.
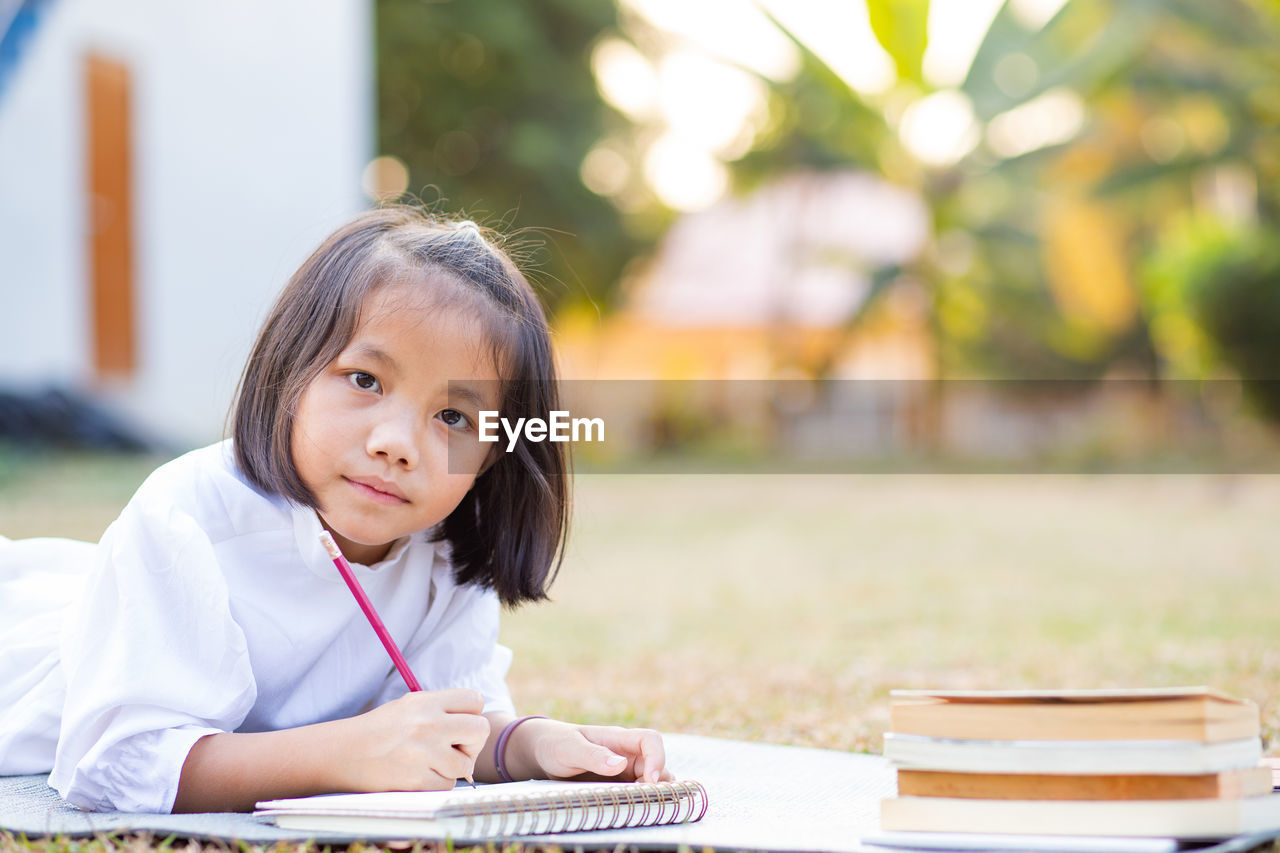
[{"x": 1162, "y": 762}]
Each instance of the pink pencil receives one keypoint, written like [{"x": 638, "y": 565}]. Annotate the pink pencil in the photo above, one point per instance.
[
  {"x": 402, "y": 665},
  {"x": 344, "y": 568}
]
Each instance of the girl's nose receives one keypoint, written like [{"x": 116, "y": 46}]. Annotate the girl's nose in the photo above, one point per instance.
[{"x": 392, "y": 439}]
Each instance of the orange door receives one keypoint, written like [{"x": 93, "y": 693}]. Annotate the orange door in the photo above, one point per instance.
[{"x": 110, "y": 217}]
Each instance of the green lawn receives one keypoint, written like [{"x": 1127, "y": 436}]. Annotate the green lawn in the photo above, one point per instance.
[{"x": 783, "y": 608}]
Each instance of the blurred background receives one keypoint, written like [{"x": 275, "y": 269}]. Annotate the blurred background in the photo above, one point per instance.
[
  {"x": 1059, "y": 191},
  {"x": 1011, "y": 230}
]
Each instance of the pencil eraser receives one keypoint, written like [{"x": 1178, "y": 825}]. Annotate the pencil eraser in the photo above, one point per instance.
[{"x": 326, "y": 539}]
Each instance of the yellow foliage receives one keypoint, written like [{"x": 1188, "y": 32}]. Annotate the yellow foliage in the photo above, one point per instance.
[
  {"x": 1082, "y": 164},
  {"x": 1084, "y": 258},
  {"x": 1201, "y": 118}
]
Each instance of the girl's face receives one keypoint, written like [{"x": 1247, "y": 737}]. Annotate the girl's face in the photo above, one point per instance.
[{"x": 385, "y": 436}]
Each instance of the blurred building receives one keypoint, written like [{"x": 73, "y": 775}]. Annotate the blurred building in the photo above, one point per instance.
[
  {"x": 164, "y": 167},
  {"x": 746, "y": 302},
  {"x": 772, "y": 285}
]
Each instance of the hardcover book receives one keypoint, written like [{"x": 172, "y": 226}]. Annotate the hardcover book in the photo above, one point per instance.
[
  {"x": 1185, "y": 819},
  {"x": 1245, "y": 782},
  {"x": 1180, "y": 713},
  {"x": 1115, "y": 757}
]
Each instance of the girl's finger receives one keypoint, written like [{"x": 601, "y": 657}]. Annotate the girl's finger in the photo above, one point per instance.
[
  {"x": 653, "y": 756},
  {"x": 456, "y": 700},
  {"x": 466, "y": 732},
  {"x": 644, "y": 745},
  {"x": 606, "y": 762},
  {"x": 457, "y": 764}
]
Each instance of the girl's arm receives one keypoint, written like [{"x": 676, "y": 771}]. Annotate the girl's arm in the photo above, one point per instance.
[
  {"x": 550, "y": 749},
  {"x": 421, "y": 741}
]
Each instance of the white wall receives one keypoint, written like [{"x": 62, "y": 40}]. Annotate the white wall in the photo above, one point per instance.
[{"x": 251, "y": 125}]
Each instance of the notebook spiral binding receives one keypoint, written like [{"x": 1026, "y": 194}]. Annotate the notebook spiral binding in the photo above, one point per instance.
[{"x": 593, "y": 807}]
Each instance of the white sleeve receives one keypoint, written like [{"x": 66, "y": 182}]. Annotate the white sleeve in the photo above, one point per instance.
[
  {"x": 154, "y": 661},
  {"x": 460, "y": 650}
]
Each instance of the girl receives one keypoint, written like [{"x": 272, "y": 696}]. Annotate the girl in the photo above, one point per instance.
[{"x": 212, "y": 656}]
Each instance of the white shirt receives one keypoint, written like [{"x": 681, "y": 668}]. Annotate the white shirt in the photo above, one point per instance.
[{"x": 209, "y": 607}]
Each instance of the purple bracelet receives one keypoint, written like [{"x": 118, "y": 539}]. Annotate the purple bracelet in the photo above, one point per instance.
[{"x": 500, "y": 749}]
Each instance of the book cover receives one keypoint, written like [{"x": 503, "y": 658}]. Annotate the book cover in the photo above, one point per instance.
[
  {"x": 1183, "y": 819},
  {"x": 1245, "y": 782},
  {"x": 1183, "y": 713},
  {"x": 1128, "y": 757}
]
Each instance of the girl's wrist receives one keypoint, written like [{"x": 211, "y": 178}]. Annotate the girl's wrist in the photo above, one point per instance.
[
  {"x": 519, "y": 753},
  {"x": 340, "y": 737}
]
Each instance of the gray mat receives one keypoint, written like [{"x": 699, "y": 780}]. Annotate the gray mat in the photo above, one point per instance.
[{"x": 762, "y": 797}]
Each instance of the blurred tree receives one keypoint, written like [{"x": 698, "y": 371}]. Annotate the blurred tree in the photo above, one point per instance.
[
  {"x": 1098, "y": 133},
  {"x": 1213, "y": 292},
  {"x": 492, "y": 106},
  {"x": 1180, "y": 106},
  {"x": 1238, "y": 304},
  {"x": 816, "y": 120},
  {"x": 1052, "y": 261}
]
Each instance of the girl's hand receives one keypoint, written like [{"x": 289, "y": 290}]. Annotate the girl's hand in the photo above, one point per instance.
[
  {"x": 422, "y": 741},
  {"x": 600, "y": 753}
]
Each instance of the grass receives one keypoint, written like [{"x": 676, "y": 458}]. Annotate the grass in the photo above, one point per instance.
[{"x": 784, "y": 608}]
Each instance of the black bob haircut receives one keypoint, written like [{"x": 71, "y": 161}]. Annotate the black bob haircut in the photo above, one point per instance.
[{"x": 508, "y": 532}]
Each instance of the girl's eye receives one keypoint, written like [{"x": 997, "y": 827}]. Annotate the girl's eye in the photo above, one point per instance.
[
  {"x": 365, "y": 381},
  {"x": 453, "y": 417}
]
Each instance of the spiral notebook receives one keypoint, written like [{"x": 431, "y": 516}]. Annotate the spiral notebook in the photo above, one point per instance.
[{"x": 494, "y": 811}]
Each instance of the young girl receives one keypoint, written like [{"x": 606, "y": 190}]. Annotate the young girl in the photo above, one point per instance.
[{"x": 206, "y": 654}]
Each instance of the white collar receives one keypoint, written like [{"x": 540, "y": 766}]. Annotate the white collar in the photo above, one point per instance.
[{"x": 306, "y": 533}]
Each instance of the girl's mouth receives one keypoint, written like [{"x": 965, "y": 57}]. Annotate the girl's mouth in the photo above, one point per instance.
[{"x": 377, "y": 491}]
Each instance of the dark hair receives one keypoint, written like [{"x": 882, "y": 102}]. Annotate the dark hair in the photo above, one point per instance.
[{"x": 508, "y": 532}]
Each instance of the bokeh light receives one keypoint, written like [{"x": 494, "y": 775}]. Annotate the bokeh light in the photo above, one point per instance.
[{"x": 386, "y": 178}]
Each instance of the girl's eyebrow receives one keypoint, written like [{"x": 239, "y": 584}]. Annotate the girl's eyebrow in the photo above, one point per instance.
[
  {"x": 468, "y": 394},
  {"x": 372, "y": 352}
]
